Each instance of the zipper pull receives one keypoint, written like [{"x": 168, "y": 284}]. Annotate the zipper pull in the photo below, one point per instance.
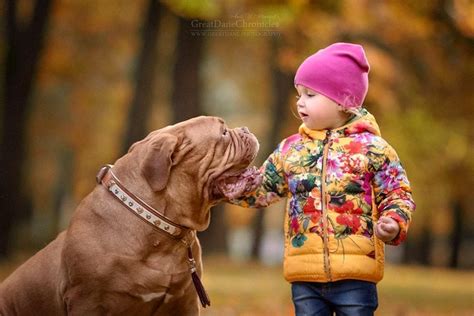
[{"x": 328, "y": 133}]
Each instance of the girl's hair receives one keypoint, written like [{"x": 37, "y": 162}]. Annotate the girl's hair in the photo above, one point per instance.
[
  {"x": 353, "y": 111},
  {"x": 292, "y": 110}
]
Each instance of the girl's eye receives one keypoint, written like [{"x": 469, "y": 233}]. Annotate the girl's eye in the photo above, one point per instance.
[{"x": 310, "y": 95}]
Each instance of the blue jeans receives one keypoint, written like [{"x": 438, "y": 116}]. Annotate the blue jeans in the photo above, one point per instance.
[{"x": 346, "y": 297}]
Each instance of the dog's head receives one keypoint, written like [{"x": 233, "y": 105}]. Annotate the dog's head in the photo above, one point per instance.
[{"x": 180, "y": 169}]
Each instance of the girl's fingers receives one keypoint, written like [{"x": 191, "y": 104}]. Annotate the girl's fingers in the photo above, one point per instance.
[
  {"x": 385, "y": 232},
  {"x": 389, "y": 228},
  {"x": 386, "y": 220}
]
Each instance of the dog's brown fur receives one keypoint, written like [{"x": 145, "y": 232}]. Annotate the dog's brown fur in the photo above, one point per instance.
[{"x": 109, "y": 262}]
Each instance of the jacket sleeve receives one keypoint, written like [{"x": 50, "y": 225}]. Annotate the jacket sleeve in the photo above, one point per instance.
[
  {"x": 392, "y": 191},
  {"x": 273, "y": 186}
]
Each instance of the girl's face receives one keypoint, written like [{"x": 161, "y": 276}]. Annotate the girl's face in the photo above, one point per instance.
[{"x": 317, "y": 111}]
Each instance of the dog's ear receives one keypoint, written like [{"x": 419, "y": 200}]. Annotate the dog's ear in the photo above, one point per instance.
[
  {"x": 157, "y": 164},
  {"x": 146, "y": 139}
]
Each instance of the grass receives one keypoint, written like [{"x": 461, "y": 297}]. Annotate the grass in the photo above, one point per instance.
[
  {"x": 251, "y": 289},
  {"x": 426, "y": 291},
  {"x": 245, "y": 289}
]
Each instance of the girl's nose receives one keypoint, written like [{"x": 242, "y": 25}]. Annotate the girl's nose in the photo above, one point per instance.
[{"x": 300, "y": 103}]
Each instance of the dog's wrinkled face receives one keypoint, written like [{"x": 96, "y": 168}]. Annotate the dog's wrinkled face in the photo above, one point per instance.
[{"x": 196, "y": 163}]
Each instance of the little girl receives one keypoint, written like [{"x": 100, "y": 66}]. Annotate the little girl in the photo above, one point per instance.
[{"x": 348, "y": 193}]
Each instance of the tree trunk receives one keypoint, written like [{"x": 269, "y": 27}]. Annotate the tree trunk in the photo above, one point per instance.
[
  {"x": 63, "y": 187},
  {"x": 457, "y": 233},
  {"x": 24, "y": 45},
  {"x": 418, "y": 250},
  {"x": 145, "y": 77},
  {"x": 186, "y": 97},
  {"x": 409, "y": 251},
  {"x": 282, "y": 84},
  {"x": 214, "y": 239},
  {"x": 186, "y": 103},
  {"x": 425, "y": 245}
]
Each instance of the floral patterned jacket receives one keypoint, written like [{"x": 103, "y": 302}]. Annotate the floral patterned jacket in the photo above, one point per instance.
[{"x": 338, "y": 183}]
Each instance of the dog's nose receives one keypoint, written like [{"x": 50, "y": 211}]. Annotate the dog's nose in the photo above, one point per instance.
[{"x": 245, "y": 130}]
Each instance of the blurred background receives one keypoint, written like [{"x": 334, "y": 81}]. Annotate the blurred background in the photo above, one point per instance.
[{"x": 83, "y": 79}]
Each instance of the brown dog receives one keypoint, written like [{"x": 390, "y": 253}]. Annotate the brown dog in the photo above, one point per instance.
[{"x": 109, "y": 262}]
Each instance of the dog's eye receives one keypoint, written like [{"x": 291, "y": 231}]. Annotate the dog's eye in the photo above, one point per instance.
[{"x": 225, "y": 132}]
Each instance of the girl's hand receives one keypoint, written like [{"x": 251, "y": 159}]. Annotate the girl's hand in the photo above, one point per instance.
[
  {"x": 233, "y": 187},
  {"x": 386, "y": 229}
]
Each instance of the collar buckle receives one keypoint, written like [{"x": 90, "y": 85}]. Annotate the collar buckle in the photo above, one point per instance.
[{"x": 102, "y": 172}]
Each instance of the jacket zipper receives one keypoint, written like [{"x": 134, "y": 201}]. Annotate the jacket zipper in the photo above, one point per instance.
[{"x": 327, "y": 265}]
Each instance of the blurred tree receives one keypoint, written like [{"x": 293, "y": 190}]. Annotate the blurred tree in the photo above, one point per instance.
[
  {"x": 80, "y": 102},
  {"x": 186, "y": 103},
  {"x": 140, "y": 108},
  {"x": 282, "y": 86},
  {"x": 452, "y": 33},
  {"x": 24, "y": 46},
  {"x": 457, "y": 234},
  {"x": 62, "y": 190},
  {"x": 186, "y": 96}
]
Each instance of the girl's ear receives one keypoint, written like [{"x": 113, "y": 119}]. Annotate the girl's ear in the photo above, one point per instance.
[{"x": 156, "y": 165}]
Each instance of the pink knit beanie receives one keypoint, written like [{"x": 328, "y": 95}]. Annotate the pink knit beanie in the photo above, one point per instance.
[{"x": 339, "y": 71}]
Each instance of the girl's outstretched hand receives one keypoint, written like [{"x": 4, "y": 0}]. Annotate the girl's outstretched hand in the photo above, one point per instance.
[
  {"x": 233, "y": 187},
  {"x": 386, "y": 229}
]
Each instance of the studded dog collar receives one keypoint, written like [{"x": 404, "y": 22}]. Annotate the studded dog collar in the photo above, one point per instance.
[{"x": 137, "y": 206}]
